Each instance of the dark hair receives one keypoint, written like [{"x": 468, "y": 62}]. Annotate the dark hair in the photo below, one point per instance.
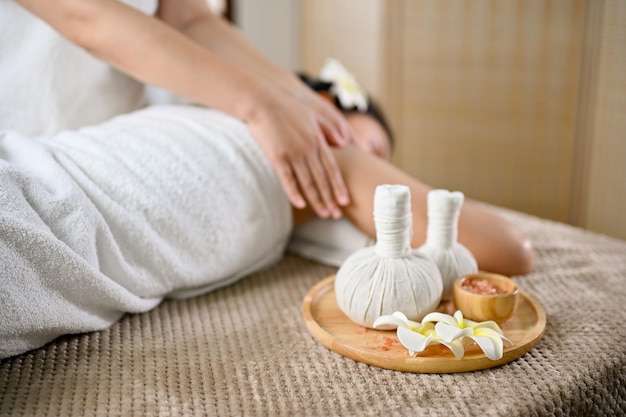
[{"x": 373, "y": 109}]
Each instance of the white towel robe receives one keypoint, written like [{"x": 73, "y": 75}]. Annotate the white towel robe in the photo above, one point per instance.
[
  {"x": 167, "y": 201},
  {"x": 113, "y": 217}
]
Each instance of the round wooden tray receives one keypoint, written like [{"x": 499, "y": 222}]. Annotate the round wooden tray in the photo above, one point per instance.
[{"x": 382, "y": 348}]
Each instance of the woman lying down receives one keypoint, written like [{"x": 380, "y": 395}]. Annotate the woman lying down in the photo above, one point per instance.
[
  {"x": 107, "y": 210},
  {"x": 172, "y": 202}
]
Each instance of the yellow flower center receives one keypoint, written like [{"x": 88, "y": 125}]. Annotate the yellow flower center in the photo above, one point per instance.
[{"x": 347, "y": 83}]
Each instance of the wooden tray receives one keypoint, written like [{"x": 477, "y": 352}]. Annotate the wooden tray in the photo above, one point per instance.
[{"x": 380, "y": 348}]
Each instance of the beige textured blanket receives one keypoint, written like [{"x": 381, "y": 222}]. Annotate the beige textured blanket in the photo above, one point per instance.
[{"x": 244, "y": 350}]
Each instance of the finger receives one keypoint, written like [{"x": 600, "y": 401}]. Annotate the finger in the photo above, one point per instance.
[
  {"x": 289, "y": 183},
  {"x": 324, "y": 185},
  {"x": 337, "y": 118},
  {"x": 333, "y": 173},
  {"x": 346, "y": 129},
  {"x": 336, "y": 134},
  {"x": 337, "y": 130},
  {"x": 309, "y": 189}
]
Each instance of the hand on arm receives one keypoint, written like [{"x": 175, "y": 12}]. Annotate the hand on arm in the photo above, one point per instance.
[
  {"x": 289, "y": 123},
  {"x": 291, "y": 119},
  {"x": 195, "y": 19}
]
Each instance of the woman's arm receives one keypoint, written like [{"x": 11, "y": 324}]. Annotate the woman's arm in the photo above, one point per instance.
[
  {"x": 213, "y": 32},
  {"x": 497, "y": 245},
  {"x": 288, "y": 129},
  {"x": 195, "y": 19}
]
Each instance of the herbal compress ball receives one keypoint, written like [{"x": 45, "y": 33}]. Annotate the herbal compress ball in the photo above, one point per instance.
[
  {"x": 389, "y": 276},
  {"x": 442, "y": 246}
]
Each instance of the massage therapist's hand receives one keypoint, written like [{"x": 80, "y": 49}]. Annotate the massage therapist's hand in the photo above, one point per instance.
[
  {"x": 294, "y": 130},
  {"x": 192, "y": 52}
]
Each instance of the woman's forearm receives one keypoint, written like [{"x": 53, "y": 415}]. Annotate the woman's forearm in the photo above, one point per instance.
[
  {"x": 293, "y": 126},
  {"x": 496, "y": 243},
  {"x": 152, "y": 52},
  {"x": 221, "y": 38},
  {"x": 215, "y": 33}
]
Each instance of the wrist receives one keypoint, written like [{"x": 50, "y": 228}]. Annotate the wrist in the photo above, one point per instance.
[{"x": 255, "y": 97}]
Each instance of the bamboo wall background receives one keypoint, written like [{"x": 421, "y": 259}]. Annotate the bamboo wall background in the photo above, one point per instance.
[
  {"x": 604, "y": 198},
  {"x": 516, "y": 103}
]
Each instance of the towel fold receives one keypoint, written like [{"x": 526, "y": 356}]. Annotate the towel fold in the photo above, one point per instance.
[{"x": 167, "y": 201}]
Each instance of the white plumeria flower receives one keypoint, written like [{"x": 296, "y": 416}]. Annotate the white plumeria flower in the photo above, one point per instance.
[
  {"x": 344, "y": 86},
  {"x": 487, "y": 334},
  {"x": 417, "y": 336}
]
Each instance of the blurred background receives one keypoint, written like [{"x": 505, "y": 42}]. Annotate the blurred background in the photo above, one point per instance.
[{"x": 518, "y": 103}]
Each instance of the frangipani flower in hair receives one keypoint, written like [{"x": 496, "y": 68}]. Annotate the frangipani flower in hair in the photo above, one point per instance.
[
  {"x": 344, "y": 86},
  {"x": 416, "y": 336}
]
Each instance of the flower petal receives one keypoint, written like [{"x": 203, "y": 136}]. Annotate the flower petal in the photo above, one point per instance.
[
  {"x": 479, "y": 331},
  {"x": 449, "y": 333},
  {"x": 440, "y": 317},
  {"x": 400, "y": 315},
  {"x": 491, "y": 346},
  {"x": 361, "y": 103},
  {"x": 413, "y": 341},
  {"x": 485, "y": 325},
  {"x": 331, "y": 70},
  {"x": 458, "y": 316},
  {"x": 455, "y": 346},
  {"x": 470, "y": 323},
  {"x": 426, "y": 329},
  {"x": 344, "y": 85},
  {"x": 390, "y": 322}
]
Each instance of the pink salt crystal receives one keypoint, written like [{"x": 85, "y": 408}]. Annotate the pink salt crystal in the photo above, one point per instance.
[{"x": 481, "y": 286}]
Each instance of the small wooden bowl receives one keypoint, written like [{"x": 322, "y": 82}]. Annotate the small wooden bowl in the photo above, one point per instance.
[{"x": 482, "y": 307}]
